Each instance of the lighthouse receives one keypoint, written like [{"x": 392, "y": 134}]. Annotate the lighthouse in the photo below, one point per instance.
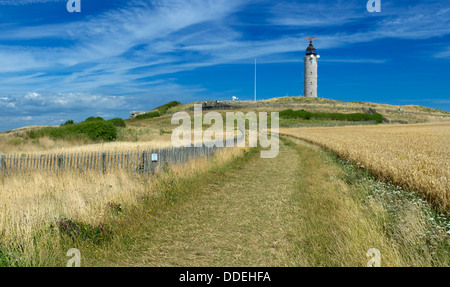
[{"x": 310, "y": 61}]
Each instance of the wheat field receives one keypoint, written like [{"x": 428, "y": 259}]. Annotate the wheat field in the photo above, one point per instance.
[{"x": 413, "y": 156}]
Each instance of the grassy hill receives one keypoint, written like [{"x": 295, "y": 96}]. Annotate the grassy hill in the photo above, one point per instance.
[
  {"x": 392, "y": 114},
  {"x": 157, "y": 128}
]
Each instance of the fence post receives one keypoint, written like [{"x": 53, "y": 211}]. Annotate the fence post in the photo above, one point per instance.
[
  {"x": 3, "y": 166},
  {"x": 60, "y": 163},
  {"x": 144, "y": 161},
  {"x": 104, "y": 162}
]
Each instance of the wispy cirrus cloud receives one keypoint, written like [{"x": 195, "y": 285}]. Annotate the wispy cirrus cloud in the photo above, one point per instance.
[
  {"x": 145, "y": 33},
  {"x": 124, "y": 52},
  {"x": 444, "y": 54}
]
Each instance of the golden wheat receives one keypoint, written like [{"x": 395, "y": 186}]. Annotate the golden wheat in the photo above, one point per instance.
[{"x": 413, "y": 156}]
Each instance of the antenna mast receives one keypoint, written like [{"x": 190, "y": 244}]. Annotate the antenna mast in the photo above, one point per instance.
[{"x": 255, "y": 79}]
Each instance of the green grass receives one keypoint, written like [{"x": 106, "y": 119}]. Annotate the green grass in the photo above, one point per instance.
[
  {"x": 117, "y": 122},
  {"x": 158, "y": 111},
  {"x": 164, "y": 108}
]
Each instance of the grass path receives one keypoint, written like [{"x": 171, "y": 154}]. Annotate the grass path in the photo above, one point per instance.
[
  {"x": 243, "y": 220},
  {"x": 298, "y": 209}
]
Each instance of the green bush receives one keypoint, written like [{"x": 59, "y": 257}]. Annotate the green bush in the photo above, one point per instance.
[
  {"x": 93, "y": 130},
  {"x": 98, "y": 130},
  {"x": 148, "y": 115},
  {"x": 117, "y": 122},
  {"x": 291, "y": 114},
  {"x": 69, "y": 122},
  {"x": 93, "y": 119},
  {"x": 32, "y": 134},
  {"x": 357, "y": 117}
]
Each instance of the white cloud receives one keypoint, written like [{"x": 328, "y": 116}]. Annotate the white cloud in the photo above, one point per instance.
[
  {"x": 121, "y": 51},
  {"x": 445, "y": 54},
  {"x": 163, "y": 31},
  {"x": 31, "y": 96}
]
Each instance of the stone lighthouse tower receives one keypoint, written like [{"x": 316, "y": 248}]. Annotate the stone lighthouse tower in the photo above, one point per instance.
[{"x": 310, "y": 61}]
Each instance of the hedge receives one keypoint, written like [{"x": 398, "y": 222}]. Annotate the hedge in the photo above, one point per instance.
[
  {"x": 357, "y": 117},
  {"x": 148, "y": 116},
  {"x": 93, "y": 130},
  {"x": 117, "y": 122}
]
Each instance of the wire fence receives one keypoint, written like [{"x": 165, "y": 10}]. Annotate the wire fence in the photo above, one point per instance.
[{"x": 146, "y": 161}]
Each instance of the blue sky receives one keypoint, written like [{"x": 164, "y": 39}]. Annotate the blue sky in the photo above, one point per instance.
[{"x": 117, "y": 56}]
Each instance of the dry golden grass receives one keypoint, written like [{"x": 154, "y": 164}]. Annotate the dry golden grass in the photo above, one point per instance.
[
  {"x": 30, "y": 203},
  {"x": 132, "y": 139},
  {"x": 413, "y": 156},
  {"x": 142, "y": 138}
]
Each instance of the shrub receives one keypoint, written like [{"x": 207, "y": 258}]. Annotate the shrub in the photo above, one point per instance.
[
  {"x": 356, "y": 117},
  {"x": 291, "y": 114},
  {"x": 93, "y": 130},
  {"x": 117, "y": 122},
  {"x": 98, "y": 130},
  {"x": 32, "y": 134},
  {"x": 93, "y": 119},
  {"x": 69, "y": 122},
  {"x": 148, "y": 116},
  {"x": 302, "y": 114}
]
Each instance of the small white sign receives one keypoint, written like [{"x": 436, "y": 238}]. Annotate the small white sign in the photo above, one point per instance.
[{"x": 154, "y": 157}]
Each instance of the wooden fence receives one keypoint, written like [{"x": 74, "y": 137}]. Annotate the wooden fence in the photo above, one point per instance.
[
  {"x": 146, "y": 161},
  {"x": 143, "y": 161}
]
